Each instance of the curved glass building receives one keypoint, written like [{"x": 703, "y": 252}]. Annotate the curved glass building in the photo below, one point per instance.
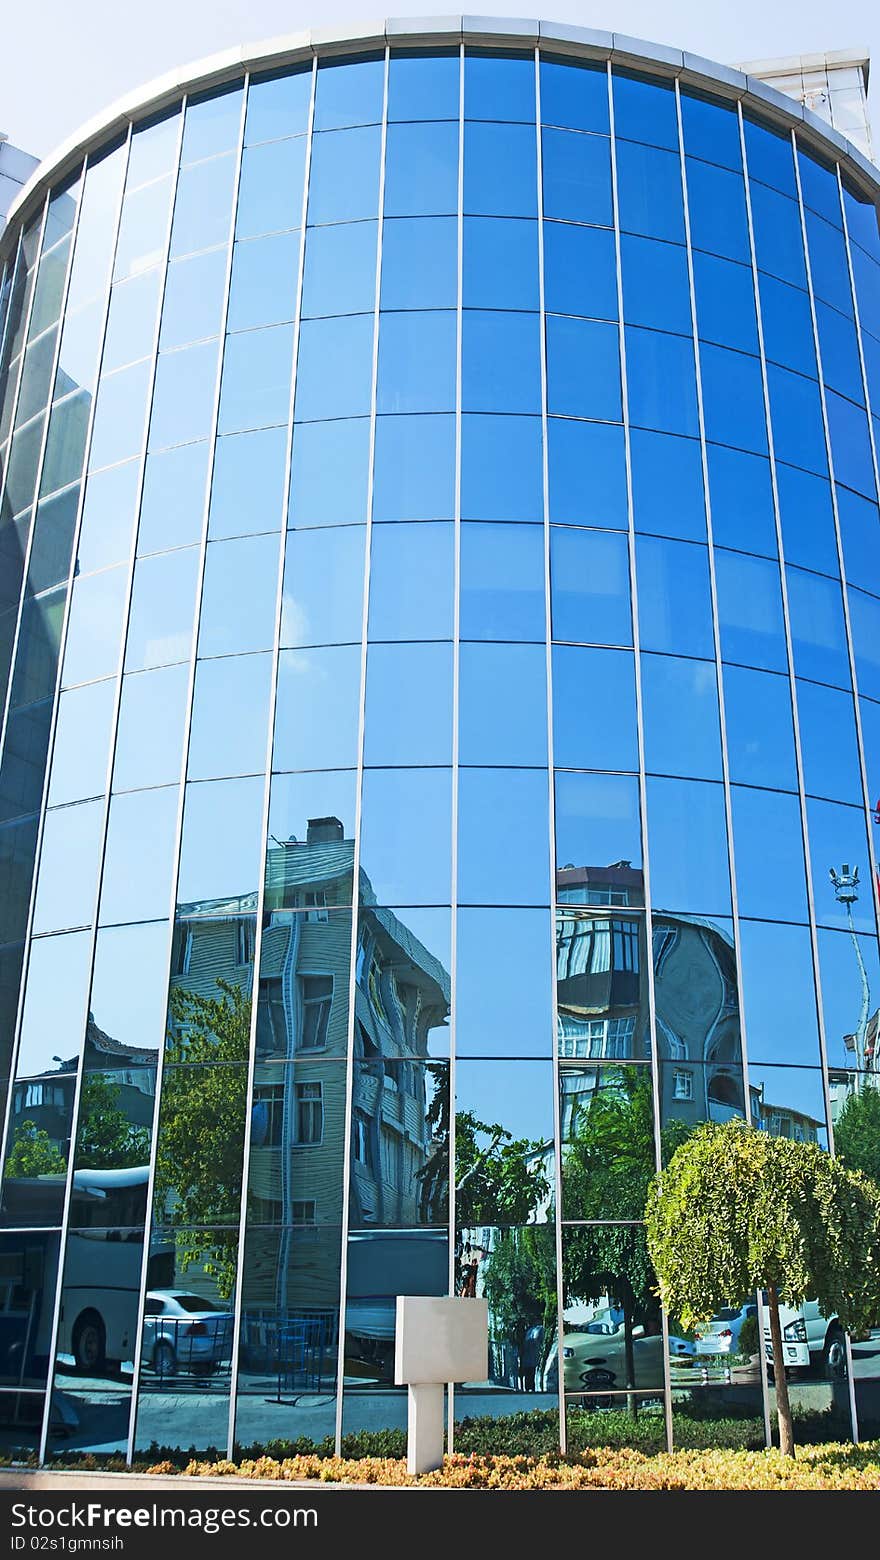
[{"x": 440, "y": 633}]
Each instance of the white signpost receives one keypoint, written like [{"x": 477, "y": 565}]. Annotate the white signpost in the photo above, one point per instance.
[{"x": 436, "y": 1340}]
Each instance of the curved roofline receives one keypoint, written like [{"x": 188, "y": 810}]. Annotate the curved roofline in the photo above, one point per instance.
[{"x": 495, "y": 32}]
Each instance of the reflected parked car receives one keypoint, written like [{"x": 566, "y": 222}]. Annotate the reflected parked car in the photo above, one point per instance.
[
  {"x": 720, "y": 1335},
  {"x": 593, "y": 1358},
  {"x": 183, "y": 1331}
]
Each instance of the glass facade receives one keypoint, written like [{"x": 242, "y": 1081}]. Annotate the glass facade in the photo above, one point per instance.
[{"x": 441, "y": 741}]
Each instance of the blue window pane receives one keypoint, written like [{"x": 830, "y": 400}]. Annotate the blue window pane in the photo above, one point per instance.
[
  {"x": 131, "y": 322},
  {"x": 423, "y": 556},
  {"x": 576, "y": 172},
  {"x": 861, "y": 219},
  {"x": 501, "y": 468},
  {"x": 160, "y": 624},
  {"x": 589, "y": 587},
  {"x": 502, "y": 711},
  {"x": 750, "y": 611},
  {"x": 860, "y": 534},
  {"x": 511, "y": 1019},
  {"x": 270, "y": 191},
  {"x": 120, "y": 416},
  {"x": 142, "y": 227},
  {"x": 587, "y": 474},
  {"x": 788, "y": 326},
  {"x": 742, "y": 500},
  {"x": 323, "y": 595},
  {"x": 340, "y": 269},
  {"x": 838, "y": 835},
  {"x": 500, "y": 176},
  {"x": 499, "y": 86},
  {"x": 193, "y": 303},
  {"x": 682, "y": 731},
  {"x": 733, "y": 399},
  {"x": 770, "y": 157},
  {"x": 838, "y": 344},
  {"x": 406, "y": 843},
  {"x": 779, "y": 246},
  {"x": 417, "y": 361},
  {"x": 500, "y": 362},
  {"x": 667, "y": 485},
  {"x": 414, "y": 469},
  {"x": 649, "y": 192},
  {"x": 247, "y": 491},
  {"x": 798, "y": 429},
  {"x": 828, "y": 743},
  {"x": 82, "y": 743},
  {"x": 218, "y": 746},
  {"x": 828, "y": 263},
  {"x": 238, "y": 596},
  {"x": 423, "y": 86},
  {"x": 334, "y": 368},
  {"x": 656, "y": 285},
  {"x": 349, "y": 92},
  {"x": 583, "y": 369},
  {"x": 202, "y": 206},
  {"x": 418, "y": 679},
  {"x": 152, "y": 715},
  {"x": 597, "y": 820},
  {"x": 815, "y": 608},
  {"x": 421, "y": 170},
  {"x": 574, "y": 95},
  {"x": 108, "y": 517},
  {"x": 870, "y": 719},
  {"x": 330, "y": 469},
  {"x": 717, "y": 211},
  {"x": 850, "y": 444},
  {"x": 807, "y": 519},
  {"x": 226, "y": 811},
  {"x": 580, "y": 271},
  {"x": 660, "y": 381},
  {"x": 779, "y": 959},
  {"x": 496, "y": 806},
  {"x": 594, "y": 709},
  {"x": 264, "y": 278},
  {"x": 153, "y": 148},
  {"x": 211, "y": 123},
  {"x": 173, "y": 501},
  {"x": 500, "y": 263},
  {"x": 419, "y": 263},
  {"x": 675, "y": 612},
  {"x": 502, "y": 582},
  {"x": 687, "y": 841},
  {"x": 69, "y": 866},
  {"x": 344, "y": 175},
  {"x": 95, "y": 627},
  {"x": 278, "y": 105},
  {"x": 316, "y": 711},
  {"x": 645, "y": 110},
  {"x": 183, "y": 395},
  {"x": 866, "y": 275},
  {"x": 725, "y": 300},
  {"x": 255, "y": 392},
  {"x": 711, "y": 131},
  {"x": 139, "y": 860},
  {"x": 770, "y": 877},
  {"x": 760, "y": 731}
]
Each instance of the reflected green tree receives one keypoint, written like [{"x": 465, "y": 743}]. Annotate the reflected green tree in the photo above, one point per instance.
[
  {"x": 107, "y": 1140},
  {"x": 499, "y": 1179},
  {"x": 857, "y": 1132},
  {"x": 201, "y": 1129},
  {"x": 33, "y": 1153},
  {"x": 519, "y": 1282}
]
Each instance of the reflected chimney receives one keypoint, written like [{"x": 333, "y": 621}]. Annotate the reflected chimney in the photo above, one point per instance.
[{"x": 321, "y": 831}]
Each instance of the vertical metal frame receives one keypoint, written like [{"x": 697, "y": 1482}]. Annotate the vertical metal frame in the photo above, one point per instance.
[
  {"x": 267, "y": 792},
  {"x": 188, "y": 705},
  {"x": 719, "y": 683},
  {"x": 637, "y": 663},
  {"x": 456, "y": 661},
  {"x": 844, "y": 591},
  {"x": 359, "y": 783},
  {"x": 551, "y": 774},
  {"x": 799, "y": 765}
]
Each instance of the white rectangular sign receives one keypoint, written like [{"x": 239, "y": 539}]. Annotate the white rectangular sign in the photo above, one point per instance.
[{"x": 441, "y": 1339}]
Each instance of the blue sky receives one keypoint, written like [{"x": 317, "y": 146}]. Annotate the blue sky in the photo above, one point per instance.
[{"x": 60, "y": 63}]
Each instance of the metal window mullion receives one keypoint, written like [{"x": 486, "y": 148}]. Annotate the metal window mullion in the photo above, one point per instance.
[
  {"x": 863, "y": 775},
  {"x": 637, "y": 666},
  {"x": 792, "y": 680},
  {"x": 456, "y": 664},
  {"x": 11, "y": 271},
  {"x": 356, "y": 854},
  {"x": 722, "y": 712},
  {"x": 267, "y": 794},
  {"x": 551, "y": 789},
  {"x": 149, "y": 1220}
]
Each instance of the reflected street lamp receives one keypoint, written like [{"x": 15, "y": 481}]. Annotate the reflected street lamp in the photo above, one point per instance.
[{"x": 846, "y": 890}]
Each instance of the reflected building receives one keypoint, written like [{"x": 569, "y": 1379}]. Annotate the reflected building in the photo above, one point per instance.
[{"x": 439, "y": 639}]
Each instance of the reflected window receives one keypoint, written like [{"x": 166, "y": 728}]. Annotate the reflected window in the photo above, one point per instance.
[{"x": 602, "y": 1011}]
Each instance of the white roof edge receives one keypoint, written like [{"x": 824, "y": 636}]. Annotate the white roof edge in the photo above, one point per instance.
[{"x": 584, "y": 42}]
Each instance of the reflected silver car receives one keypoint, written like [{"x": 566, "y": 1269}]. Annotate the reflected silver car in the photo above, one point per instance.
[{"x": 183, "y": 1331}]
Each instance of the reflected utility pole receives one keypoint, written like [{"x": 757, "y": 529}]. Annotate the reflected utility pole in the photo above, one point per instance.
[{"x": 846, "y": 889}]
